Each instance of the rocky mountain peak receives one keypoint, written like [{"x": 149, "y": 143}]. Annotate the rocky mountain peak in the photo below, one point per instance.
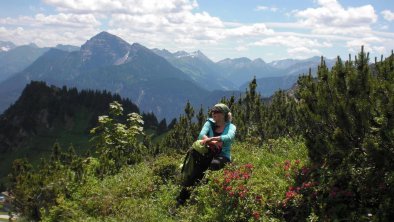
[{"x": 104, "y": 49}]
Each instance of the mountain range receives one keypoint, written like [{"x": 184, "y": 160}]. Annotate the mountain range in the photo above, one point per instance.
[
  {"x": 156, "y": 80},
  {"x": 14, "y": 59}
]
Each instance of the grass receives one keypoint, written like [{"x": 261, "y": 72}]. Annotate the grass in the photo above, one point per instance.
[{"x": 3, "y": 213}]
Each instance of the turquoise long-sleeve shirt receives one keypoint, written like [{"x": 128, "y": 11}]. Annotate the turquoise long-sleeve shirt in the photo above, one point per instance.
[{"x": 227, "y": 136}]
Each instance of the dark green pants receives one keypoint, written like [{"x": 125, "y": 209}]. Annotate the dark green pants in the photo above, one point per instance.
[{"x": 200, "y": 164}]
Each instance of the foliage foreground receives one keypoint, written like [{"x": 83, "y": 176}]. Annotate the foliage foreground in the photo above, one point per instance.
[
  {"x": 341, "y": 169},
  {"x": 249, "y": 189}
]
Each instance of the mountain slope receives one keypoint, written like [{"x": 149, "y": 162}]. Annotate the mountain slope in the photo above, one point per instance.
[
  {"x": 44, "y": 115},
  {"x": 200, "y": 68},
  {"x": 18, "y": 58},
  {"x": 291, "y": 69},
  {"x": 242, "y": 70}
]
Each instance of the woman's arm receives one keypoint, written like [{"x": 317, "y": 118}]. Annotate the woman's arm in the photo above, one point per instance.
[
  {"x": 204, "y": 131},
  {"x": 229, "y": 136}
]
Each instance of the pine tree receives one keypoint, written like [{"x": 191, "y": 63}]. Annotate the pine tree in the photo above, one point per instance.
[
  {"x": 183, "y": 133},
  {"x": 349, "y": 133}
]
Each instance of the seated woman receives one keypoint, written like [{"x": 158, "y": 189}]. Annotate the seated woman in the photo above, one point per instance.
[{"x": 218, "y": 133}]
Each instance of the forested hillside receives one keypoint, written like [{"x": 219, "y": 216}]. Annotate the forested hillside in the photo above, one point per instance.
[
  {"x": 44, "y": 115},
  {"x": 323, "y": 153}
]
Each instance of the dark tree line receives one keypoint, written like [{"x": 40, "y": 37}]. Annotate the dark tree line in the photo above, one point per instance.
[
  {"x": 257, "y": 119},
  {"x": 41, "y": 106}
]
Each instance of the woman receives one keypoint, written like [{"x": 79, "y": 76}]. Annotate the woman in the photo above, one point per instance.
[{"x": 218, "y": 133}]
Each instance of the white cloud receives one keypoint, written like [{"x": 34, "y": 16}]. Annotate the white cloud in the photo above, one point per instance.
[
  {"x": 331, "y": 17},
  {"x": 49, "y": 30},
  {"x": 363, "y": 41},
  {"x": 297, "y": 47},
  {"x": 46, "y": 37},
  {"x": 388, "y": 15},
  {"x": 266, "y": 8},
  {"x": 303, "y": 52},
  {"x": 241, "y": 48},
  {"x": 261, "y": 8},
  {"x": 292, "y": 42},
  {"x": 384, "y": 27},
  {"x": 183, "y": 27},
  {"x": 373, "y": 45},
  {"x": 59, "y": 20},
  {"x": 135, "y": 20},
  {"x": 123, "y": 6},
  {"x": 257, "y": 29}
]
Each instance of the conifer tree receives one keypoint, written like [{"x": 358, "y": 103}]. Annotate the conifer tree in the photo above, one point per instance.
[
  {"x": 349, "y": 133},
  {"x": 201, "y": 118},
  {"x": 183, "y": 133}
]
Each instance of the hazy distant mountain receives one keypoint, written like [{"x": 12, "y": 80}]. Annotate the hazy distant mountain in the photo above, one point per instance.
[
  {"x": 107, "y": 62},
  {"x": 267, "y": 86},
  {"x": 6, "y": 46},
  {"x": 299, "y": 66},
  {"x": 68, "y": 48},
  {"x": 18, "y": 58},
  {"x": 292, "y": 69},
  {"x": 242, "y": 70},
  {"x": 284, "y": 64},
  {"x": 200, "y": 68}
]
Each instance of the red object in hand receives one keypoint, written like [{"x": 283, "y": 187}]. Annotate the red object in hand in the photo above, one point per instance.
[{"x": 215, "y": 147}]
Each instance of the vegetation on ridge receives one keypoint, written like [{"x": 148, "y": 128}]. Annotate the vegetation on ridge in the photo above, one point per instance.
[{"x": 324, "y": 154}]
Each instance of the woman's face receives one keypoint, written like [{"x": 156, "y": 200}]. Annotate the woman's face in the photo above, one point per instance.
[{"x": 218, "y": 116}]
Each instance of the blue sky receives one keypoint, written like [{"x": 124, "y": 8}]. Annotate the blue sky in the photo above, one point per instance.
[{"x": 266, "y": 29}]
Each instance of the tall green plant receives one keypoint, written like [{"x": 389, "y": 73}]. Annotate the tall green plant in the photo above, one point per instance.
[{"x": 118, "y": 144}]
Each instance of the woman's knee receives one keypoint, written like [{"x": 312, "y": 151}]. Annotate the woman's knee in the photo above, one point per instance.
[{"x": 218, "y": 163}]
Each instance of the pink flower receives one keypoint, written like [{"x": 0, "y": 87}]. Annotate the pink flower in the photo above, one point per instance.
[
  {"x": 258, "y": 198},
  {"x": 304, "y": 170},
  {"x": 256, "y": 215},
  {"x": 290, "y": 194},
  {"x": 242, "y": 194},
  {"x": 249, "y": 166},
  {"x": 241, "y": 187},
  {"x": 246, "y": 176}
]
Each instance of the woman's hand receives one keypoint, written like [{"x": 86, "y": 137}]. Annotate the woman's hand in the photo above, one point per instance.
[
  {"x": 209, "y": 140},
  {"x": 205, "y": 141}
]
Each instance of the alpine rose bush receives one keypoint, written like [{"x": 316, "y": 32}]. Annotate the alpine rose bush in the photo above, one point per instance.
[{"x": 228, "y": 195}]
